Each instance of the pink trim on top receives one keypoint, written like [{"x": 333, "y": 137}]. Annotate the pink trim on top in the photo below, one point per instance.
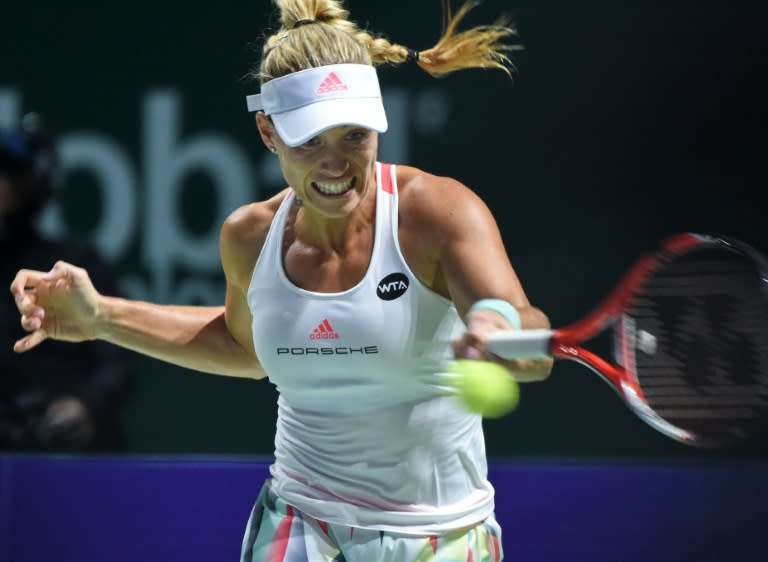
[{"x": 386, "y": 178}]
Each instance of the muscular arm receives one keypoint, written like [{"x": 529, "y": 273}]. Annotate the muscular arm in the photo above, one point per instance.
[
  {"x": 460, "y": 254},
  {"x": 64, "y": 305},
  {"x": 473, "y": 261},
  {"x": 210, "y": 339},
  {"x": 189, "y": 336}
]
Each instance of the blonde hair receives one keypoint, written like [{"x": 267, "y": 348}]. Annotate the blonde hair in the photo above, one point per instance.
[{"x": 318, "y": 33}]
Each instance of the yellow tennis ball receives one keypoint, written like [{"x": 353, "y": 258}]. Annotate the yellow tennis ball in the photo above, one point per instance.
[{"x": 485, "y": 387}]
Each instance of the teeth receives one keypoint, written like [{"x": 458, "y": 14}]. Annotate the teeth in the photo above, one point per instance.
[{"x": 334, "y": 188}]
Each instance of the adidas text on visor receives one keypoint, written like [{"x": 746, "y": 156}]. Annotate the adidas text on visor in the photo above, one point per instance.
[{"x": 306, "y": 103}]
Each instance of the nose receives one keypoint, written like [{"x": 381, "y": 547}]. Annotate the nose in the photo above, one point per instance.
[{"x": 334, "y": 162}]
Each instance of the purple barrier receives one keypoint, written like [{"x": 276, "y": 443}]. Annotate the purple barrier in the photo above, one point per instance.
[
  {"x": 132, "y": 509},
  {"x": 648, "y": 512}
]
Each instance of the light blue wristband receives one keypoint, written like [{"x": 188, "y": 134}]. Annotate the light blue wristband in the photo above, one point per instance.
[{"x": 501, "y": 307}]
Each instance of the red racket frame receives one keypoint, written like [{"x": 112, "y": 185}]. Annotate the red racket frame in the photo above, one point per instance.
[{"x": 564, "y": 343}]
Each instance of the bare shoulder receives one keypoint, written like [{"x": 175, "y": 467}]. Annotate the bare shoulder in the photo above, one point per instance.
[
  {"x": 437, "y": 215},
  {"x": 243, "y": 234},
  {"x": 250, "y": 222},
  {"x": 436, "y": 202}
]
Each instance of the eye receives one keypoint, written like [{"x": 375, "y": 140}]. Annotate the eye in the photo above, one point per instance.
[
  {"x": 358, "y": 135},
  {"x": 314, "y": 141}
]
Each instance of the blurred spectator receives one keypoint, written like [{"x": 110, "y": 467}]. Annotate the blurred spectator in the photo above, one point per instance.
[{"x": 67, "y": 397}]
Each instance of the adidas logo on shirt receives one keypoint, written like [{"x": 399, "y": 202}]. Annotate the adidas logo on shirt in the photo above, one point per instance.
[
  {"x": 332, "y": 83},
  {"x": 324, "y": 331}
]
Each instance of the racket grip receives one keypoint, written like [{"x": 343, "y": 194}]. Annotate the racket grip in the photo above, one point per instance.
[{"x": 520, "y": 344}]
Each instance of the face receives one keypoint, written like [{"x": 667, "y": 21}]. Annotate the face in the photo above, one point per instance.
[{"x": 331, "y": 172}]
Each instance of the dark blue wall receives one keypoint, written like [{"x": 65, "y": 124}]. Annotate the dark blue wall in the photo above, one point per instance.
[
  {"x": 625, "y": 122},
  {"x": 60, "y": 509}
]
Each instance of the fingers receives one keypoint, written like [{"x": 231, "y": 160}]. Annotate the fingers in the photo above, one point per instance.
[
  {"x": 32, "y": 318},
  {"x": 470, "y": 346},
  {"x": 32, "y": 321},
  {"x": 28, "y": 283},
  {"x": 24, "y": 288},
  {"x": 25, "y": 278},
  {"x": 32, "y": 315},
  {"x": 60, "y": 270},
  {"x": 31, "y": 341},
  {"x": 31, "y": 279}
]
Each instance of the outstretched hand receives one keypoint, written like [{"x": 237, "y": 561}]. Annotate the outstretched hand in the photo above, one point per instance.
[{"x": 61, "y": 304}]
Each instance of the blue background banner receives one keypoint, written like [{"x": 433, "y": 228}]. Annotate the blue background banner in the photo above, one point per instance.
[{"x": 62, "y": 509}]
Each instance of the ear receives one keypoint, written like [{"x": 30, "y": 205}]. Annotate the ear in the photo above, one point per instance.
[{"x": 266, "y": 130}]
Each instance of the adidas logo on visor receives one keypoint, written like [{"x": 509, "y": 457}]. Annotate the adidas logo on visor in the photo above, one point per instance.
[
  {"x": 324, "y": 331},
  {"x": 331, "y": 83}
]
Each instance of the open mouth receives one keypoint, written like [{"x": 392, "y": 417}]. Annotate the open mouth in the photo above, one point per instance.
[{"x": 334, "y": 189}]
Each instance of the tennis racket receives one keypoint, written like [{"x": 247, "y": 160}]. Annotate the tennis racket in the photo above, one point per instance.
[{"x": 690, "y": 329}]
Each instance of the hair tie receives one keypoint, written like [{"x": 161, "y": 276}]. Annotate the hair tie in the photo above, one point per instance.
[
  {"x": 413, "y": 55},
  {"x": 299, "y": 23}
]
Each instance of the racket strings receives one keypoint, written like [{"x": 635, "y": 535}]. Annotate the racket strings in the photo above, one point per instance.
[{"x": 697, "y": 330}]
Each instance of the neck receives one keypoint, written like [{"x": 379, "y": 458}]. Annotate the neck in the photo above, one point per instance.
[{"x": 336, "y": 234}]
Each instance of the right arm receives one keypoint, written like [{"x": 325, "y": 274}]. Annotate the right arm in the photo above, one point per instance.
[
  {"x": 63, "y": 304},
  {"x": 194, "y": 337}
]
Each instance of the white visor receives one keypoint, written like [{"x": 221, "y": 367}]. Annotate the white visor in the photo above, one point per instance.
[{"x": 306, "y": 103}]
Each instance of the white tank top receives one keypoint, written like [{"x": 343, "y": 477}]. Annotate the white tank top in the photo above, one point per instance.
[{"x": 366, "y": 434}]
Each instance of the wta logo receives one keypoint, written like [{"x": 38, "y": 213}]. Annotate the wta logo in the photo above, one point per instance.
[{"x": 392, "y": 286}]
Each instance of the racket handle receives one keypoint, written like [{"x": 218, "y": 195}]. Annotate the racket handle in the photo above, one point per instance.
[{"x": 520, "y": 344}]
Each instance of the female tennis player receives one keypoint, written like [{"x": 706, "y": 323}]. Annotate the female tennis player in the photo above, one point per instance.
[{"x": 343, "y": 289}]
